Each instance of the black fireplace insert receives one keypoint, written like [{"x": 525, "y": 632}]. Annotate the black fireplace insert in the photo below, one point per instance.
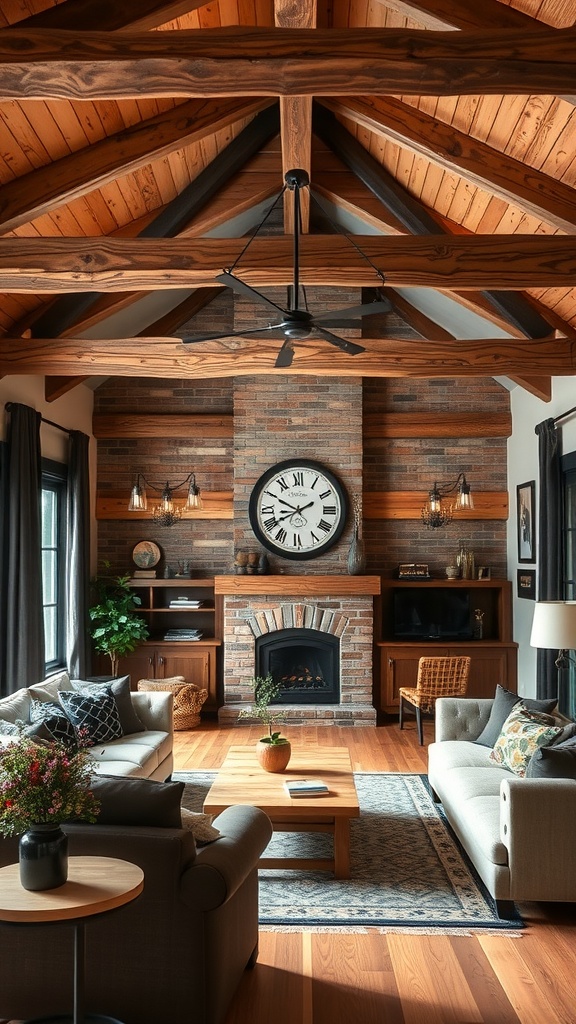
[{"x": 304, "y": 662}]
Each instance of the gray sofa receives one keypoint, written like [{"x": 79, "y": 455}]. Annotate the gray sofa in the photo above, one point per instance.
[
  {"x": 520, "y": 833},
  {"x": 145, "y": 750},
  {"x": 176, "y": 954}
]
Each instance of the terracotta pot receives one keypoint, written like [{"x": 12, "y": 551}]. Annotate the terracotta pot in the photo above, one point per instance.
[{"x": 273, "y": 757}]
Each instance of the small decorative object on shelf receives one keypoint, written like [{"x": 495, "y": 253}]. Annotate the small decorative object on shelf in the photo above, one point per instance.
[
  {"x": 263, "y": 564},
  {"x": 252, "y": 566},
  {"x": 452, "y": 572},
  {"x": 241, "y": 562},
  {"x": 357, "y": 553},
  {"x": 273, "y": 751},
  {"x": 413, "y": 571},
  {"x": 40, "y": 786},
  {"x": 478, "y": 628},
  {"x": 465, "y": 562}
]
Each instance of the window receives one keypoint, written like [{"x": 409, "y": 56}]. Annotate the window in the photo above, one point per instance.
[
  {"x": 569, "y": 481},
  {"x": 53, "y": 561}
]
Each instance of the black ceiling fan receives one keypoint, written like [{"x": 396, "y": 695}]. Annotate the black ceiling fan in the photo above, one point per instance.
[{"x": 295, "y": 323}]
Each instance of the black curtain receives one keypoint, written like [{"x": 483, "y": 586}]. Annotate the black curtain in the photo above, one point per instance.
[
  {"x": 78, "y": 547},
  {"x": 550, "y": 552},
  {"x": 22, "y": 621}
]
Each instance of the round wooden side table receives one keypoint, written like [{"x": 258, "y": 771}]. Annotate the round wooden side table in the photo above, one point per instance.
[{"x": 96, "y": 885}]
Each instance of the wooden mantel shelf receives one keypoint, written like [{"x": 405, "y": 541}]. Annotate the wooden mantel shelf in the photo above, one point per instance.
[{"x": 303, "y": 586}]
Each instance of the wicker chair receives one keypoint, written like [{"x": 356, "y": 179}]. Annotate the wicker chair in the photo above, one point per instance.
[{"x": 437, "y": 677}]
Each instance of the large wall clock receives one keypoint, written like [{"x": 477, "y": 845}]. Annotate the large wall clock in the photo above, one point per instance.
[{"x": 298, "y": 509}]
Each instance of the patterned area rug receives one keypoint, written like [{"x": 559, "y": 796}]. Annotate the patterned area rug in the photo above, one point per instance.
[{"x": 408, "y": 871}]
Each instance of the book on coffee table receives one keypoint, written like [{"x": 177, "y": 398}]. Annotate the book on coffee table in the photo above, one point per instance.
[{"x": 306, "y": 787}]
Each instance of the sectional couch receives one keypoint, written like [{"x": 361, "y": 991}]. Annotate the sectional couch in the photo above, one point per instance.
[
  {"x": 519, "y": 831},
  {"x": 138, "y": 727}
]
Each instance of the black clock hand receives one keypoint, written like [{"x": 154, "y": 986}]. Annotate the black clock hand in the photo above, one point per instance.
[{"x": 288, "y": 505}]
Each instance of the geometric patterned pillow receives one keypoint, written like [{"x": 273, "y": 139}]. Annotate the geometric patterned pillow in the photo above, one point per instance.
[
  {"x": 522, "y": 734},
  {"x": 96, "y": 715},
  {"x": 54, "y": 720}
]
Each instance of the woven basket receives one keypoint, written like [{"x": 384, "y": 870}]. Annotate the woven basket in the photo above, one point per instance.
[{"x": 188, "y": 699}]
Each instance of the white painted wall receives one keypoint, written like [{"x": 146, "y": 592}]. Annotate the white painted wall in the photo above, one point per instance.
[
  {"x": 72, "y": 411},
  {"x": 527, "y": 412}
]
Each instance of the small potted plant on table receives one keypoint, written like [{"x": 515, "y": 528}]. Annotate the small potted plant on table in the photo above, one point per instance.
[{"x": 273, "y": 751}]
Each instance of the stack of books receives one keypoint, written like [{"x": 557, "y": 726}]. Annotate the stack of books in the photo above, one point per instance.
[
  {"x": 183, "y": 634},
  {"x": 144, "y": 574},
  {"x": 184, "y": 602},
  {"x": 306, "y": 787}
]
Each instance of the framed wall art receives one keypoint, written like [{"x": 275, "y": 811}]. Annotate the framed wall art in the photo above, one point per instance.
[
  {"x": 527, "y": 583},
  {"x": 526, "y": 520}
]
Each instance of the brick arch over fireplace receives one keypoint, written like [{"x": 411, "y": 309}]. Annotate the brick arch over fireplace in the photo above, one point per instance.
[{"x": 298, "y": 616}]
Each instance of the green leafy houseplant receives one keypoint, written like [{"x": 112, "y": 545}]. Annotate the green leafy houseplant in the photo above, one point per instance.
[
  {"x": 43, "y": 785},
  {"x": 117, "y": 628},
  {"x": 265, "y": 690}
]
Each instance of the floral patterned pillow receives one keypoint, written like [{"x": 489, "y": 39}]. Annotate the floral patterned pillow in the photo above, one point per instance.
[{"x": 523, "y": 732}]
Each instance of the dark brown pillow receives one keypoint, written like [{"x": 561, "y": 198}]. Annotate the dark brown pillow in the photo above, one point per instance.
[{"x": 137, "y": 801}]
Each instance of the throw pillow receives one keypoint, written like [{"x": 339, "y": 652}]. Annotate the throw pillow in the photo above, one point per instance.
[
  {"x": 522, "y": 733},
  {"x": 200, "y": 825},
  {"x": 568, "y": 733},
  {"x": 553, "y": 762},
  {"x": 57, "y": 724},
  {"x": 38, "y": 732},
  {"x": 137, "y": 801},
  {"x": 120, "y": 689},
  {"x": 97, "y": 716},
  {"x": 48, "y": 689},
  {"x": 504, "y": 701},
  {"x": 15, "y": 707}
]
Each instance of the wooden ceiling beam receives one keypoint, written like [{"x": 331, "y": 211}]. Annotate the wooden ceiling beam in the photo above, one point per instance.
[
  {"x": 111, "y": 16},
  {"x": 247, "y": 61},
  {"x": 416, "y": 217},
  {"x": 296, "y": 116},
  {"x": 463, "y": 262},
  {"x": 64, "y": 180},
  {"x": 441, "y": 14},
  {"x": 532, "y": 191},
  {"x": 168, "y": 357},
  {"x": 175, "y": 217}
]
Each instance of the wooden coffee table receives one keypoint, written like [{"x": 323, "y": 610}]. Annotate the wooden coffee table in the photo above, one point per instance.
[{"x": 241, "y": 780}]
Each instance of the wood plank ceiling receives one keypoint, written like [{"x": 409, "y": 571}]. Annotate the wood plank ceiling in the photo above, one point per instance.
[{"x": 139, "y": 140}]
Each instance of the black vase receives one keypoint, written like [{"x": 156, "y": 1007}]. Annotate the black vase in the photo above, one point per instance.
[{"x": 43, "y": 856}]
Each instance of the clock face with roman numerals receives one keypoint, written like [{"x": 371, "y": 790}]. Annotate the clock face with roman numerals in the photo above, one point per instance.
[{"x": 298, "y": 509}]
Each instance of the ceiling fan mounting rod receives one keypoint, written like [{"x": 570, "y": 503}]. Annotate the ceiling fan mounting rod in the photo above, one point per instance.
[{"x": 295, "y": 180}]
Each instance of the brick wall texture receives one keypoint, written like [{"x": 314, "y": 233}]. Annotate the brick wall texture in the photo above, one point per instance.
[{"x": 277, "y": 417}]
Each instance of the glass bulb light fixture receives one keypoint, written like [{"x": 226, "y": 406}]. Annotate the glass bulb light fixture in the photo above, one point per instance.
[
  {"x": 437, "y": 511},
  {"x": 168, "y": 510}
]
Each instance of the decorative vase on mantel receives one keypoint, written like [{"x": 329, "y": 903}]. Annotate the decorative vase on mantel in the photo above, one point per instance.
[
  {"x": 357, "y": 552},
  {"x": 43, "y": 857}
]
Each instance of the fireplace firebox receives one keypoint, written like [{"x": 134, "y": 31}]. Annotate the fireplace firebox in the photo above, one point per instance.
[{"x": 305, "y": 663}]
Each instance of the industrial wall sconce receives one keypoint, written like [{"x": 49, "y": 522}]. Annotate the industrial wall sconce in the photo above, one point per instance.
[
  {"x": 436, "y": 512},
  {"x": 167, "y": 510}
]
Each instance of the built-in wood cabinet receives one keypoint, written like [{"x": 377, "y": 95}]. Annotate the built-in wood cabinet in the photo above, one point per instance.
[
  {"x": 494, "y": 657},
  {"x": 166, "y": 606}
]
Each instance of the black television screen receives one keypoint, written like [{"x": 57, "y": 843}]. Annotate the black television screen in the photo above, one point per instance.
[{"x": 432, "y": 613}]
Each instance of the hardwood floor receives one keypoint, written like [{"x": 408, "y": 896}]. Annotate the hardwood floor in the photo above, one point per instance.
[{"x": 397, "y": 978}]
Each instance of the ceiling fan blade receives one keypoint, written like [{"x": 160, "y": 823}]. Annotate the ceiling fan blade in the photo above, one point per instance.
[
  {"x": 190, "y": 339},
  {"x": 286, "y": 354},
  {"x": 351, "y": 312},
  {"x": 234, "y": 282},
  {"x": 342, "y": 343}
]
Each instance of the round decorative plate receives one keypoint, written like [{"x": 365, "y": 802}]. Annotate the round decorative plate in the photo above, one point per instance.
[{"x": 146, "y": 554}]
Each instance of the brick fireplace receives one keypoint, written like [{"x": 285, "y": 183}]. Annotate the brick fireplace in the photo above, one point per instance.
[{"x": 338, "y": 606}]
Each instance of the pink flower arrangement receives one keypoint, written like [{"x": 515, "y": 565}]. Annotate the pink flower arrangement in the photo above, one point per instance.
[{"x": 43, "y": 784}]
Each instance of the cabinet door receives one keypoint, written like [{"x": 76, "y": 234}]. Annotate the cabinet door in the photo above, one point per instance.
[
  {"x": 139, "y": 665},
  {"x": 399, "y": 667},
  {"x": 194, "y": 664},
  {"x": 488, "y": 666}
]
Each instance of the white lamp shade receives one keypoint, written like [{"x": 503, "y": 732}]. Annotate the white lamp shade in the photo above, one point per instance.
[{"x": 554, "y": 625}]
